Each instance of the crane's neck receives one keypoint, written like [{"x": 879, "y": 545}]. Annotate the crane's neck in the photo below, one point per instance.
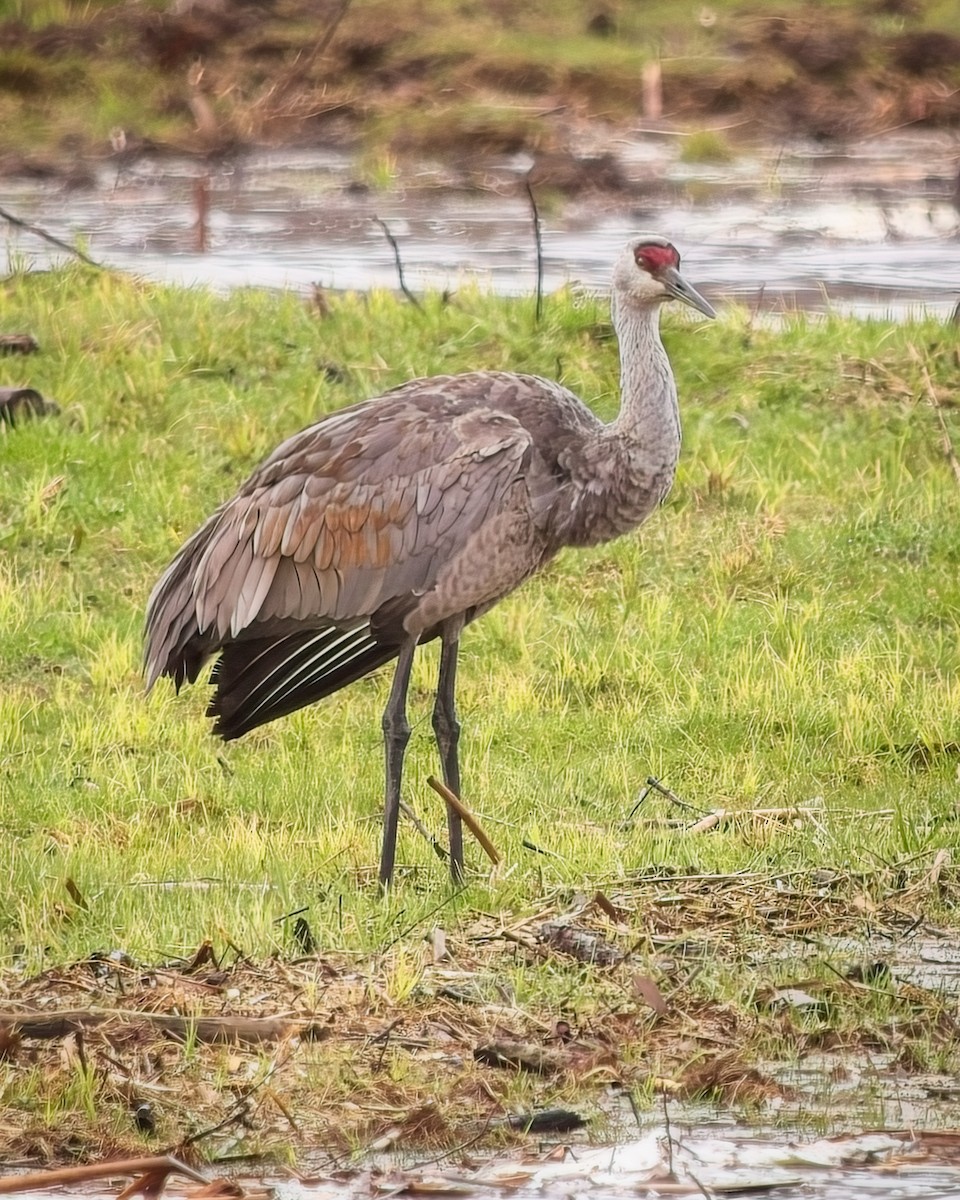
[
  {"x": 623, "y": 472},
  {"x": 649, "y": 414}
]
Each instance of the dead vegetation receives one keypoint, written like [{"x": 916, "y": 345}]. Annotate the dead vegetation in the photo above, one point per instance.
[{"x": 466, "y": 1035}]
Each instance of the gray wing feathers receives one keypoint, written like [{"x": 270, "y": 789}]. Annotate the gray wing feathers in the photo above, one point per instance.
[
  {"x": 355, "y": 548},
  {"x": 171, "y": 614},
  {"x": 363, "y": 508}
]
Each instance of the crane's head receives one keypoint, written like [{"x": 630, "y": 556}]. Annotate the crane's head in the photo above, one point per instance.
[{"x": 648, "y": 272}]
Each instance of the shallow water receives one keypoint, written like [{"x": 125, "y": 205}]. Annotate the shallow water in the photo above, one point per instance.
[
  {"x": 873, "y": 229},
  {"x": 661, "y": 1163}
]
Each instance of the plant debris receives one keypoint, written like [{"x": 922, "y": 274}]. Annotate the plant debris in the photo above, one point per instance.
[
  {"x": 18, "y": 343},
  {"x": 233, "y": 1053}
]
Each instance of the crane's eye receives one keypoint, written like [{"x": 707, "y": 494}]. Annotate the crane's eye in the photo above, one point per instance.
[{"x": 652, "y": 257}]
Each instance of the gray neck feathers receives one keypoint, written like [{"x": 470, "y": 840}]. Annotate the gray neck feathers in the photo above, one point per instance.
[
  {"x": 649, "y": 414},
  {"x": 624, "y": 472}
]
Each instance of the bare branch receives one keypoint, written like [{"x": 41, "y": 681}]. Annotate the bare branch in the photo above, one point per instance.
[
  {"x": 538, "y": 242},
  {"x": 49, "y": 237},
  {"x": 60, "y": 1176},
  {"x": 424, "y": 832},
  {"x": 471, "y": 822},
  {"x": 396, "y": 257}
]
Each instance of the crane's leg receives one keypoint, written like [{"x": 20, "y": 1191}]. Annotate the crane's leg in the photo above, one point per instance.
[
  {"x": 396, "y": 734},
  {"x": 447, "y": 728}
]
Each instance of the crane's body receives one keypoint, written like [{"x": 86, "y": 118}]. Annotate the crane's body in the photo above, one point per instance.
[{"x": 403, "y": 518}]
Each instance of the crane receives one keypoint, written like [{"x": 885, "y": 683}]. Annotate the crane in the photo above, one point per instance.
[{"x": 405, "y": 517}]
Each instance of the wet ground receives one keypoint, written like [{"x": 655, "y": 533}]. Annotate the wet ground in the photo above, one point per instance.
[
  {"x": 851, "y": 1119},
  {"x": 663, "y": 1162},
  {"x": 871, "y": 228}
]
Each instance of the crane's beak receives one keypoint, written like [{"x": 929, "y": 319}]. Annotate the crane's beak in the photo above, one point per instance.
[{"x": 678, "y": 289}]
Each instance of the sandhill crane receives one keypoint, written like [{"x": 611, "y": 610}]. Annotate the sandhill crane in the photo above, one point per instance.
[{"x": 403, "y": 518}]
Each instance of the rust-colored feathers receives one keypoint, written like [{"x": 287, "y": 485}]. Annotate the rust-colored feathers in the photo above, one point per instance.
[
  {"x": 404, "y": 518},
  {"x": 378, "y": 522}
]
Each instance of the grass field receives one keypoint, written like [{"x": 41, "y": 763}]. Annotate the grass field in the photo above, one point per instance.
[{"x": 784, "y": 632}]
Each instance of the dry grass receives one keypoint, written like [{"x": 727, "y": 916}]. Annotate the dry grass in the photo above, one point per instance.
[{"x": 411, "y": 1048}]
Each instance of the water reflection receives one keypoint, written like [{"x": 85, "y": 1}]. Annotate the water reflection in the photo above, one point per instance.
[{"x": 872, "y": 231}]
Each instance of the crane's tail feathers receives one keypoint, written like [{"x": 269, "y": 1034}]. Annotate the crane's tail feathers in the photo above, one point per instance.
[{"x": 260, "y": 679}]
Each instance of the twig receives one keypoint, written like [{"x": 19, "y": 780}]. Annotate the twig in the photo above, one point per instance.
[
  {"x": 238, "y": 1112},
  {"x": 729, "y": 814},
  {"x": 467, "y": 817},
  {"x": 756, "y": 307},
  {"x": 657, "y": 786},
  {"x": 644, "y": 793},
  {"x": 455, "y": 1150},
  {"x": 666, "y": 1121},
  {"x": 528, "y": 845},
  {"x": 538, "y": 242},
  {"x": 241, "y": 1107},
  {"x": 383, "y": 1040},
  {"x": 294, "y": 913},
  {"x": 396, "y": 257},
  {"x": 419, "y": 921},
  {"x": 706, "y": 1192},
  {"x": 331, "y": 29},
  {"x": 424, "y": 832},
  {"x": 304, "y": 61},
  {"x": 49, "y": 237},
  {"x": 733, "y": 877},
  {"x": 632, "y": 1101},
  {"x": 856, "y": 985},
  {"x": 722, "y": 815}
]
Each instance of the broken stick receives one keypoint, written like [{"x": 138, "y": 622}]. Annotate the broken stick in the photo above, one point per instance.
[{"x": 471, "y": 822}]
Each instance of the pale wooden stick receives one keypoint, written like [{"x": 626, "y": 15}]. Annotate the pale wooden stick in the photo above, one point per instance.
[
  {"x": 466, "y": 816},
  {"x": 728, "y": 814},
  {"x": 720, "y": 815}
]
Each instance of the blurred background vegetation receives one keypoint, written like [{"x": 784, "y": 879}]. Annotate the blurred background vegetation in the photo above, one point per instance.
[{"x": 82, "y": 78}]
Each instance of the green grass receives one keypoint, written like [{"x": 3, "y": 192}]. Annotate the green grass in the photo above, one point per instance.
[
  {"x": 786, "y": 628},
  {"x": 706, "y": 146},
  {"x": 783, "y": 632}
]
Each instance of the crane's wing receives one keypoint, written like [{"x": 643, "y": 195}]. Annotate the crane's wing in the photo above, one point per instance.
[{"x": 304, "y": 578}]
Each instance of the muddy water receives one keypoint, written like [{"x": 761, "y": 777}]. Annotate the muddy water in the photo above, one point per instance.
[
  {"x": 871, "y": 229},
  {"x": 664, "y": 1163}
]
